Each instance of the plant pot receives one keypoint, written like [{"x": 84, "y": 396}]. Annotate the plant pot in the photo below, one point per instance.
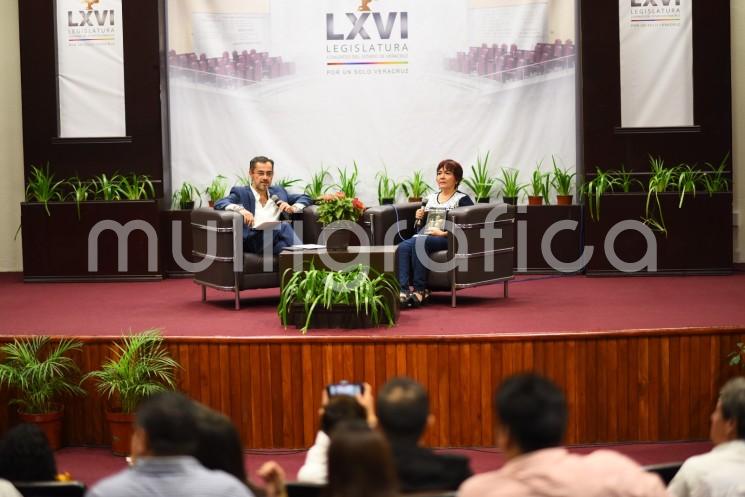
[
  {"x": 211, "y": 203},
  {"x": 482, "y": 200},
  {"x": 510, "y": 200},
  {"x": 415, "y": 199},
  {"x": 535, "y": 200},
  {"x": 564, "y": 200},
  {"x": 339, "y": 316},
  {"x": 337, "y": 237},
  {"x": 386, "y": 201},
  {"x": 121, "y": 426},
  {"x": 187, "y": 206},
  {"x": 50, "y": 423}
]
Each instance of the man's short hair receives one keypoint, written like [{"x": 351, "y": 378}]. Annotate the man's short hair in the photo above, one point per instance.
[
  {"x": 169, "y": 421},
  {"x": 533, "y": 410},
  {"x": 256, "y": 160},
  {"x": 402, "y": 407},
  {"x": 732, "y": 396},
  {"x": 341, "y": 408}
]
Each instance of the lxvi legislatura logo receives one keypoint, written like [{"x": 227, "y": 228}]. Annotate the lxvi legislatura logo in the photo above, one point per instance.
[
  {"x": 367, "y": 38},
  {"x": 91, "y": 25}
]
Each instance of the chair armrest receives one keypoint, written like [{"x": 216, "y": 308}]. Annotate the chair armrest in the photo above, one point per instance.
[
  {"x": 223, "y": 219},
  {"x": 381, "y": 218}
]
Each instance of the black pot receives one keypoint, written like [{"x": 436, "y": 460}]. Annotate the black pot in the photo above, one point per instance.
[
  {"x": 386, "y": 201},
  {"x": 482, "y": 200},
  {"x": 510, "y": 200},
  {"x": 186, "y": 205}
]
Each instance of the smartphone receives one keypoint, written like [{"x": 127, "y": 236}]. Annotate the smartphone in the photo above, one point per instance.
[{"x": 344, "y": 388}]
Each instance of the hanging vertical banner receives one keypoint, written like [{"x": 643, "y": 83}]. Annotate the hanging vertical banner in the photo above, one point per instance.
[
  {"x": 90, "y": 68},
  {"x": 656, "y": 38}
]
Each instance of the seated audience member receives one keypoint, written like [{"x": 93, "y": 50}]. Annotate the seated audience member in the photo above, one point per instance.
[
  {"x": 333, "y": 411},
  {"x": 360, "y": 463},
  {"x": 25, "y": 455},
  {"x": 403, "y": 414},
  {"x": 164, "y": 438},
  {"x": 532, "y": 419},
  {"x": 262, "y": 202},
  {"x": 720, "y": 472}
]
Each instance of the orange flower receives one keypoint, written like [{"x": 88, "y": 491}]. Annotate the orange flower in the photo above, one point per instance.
[
  {"x": 357, "y": 203},
  {"x": 340, "y": 195}
]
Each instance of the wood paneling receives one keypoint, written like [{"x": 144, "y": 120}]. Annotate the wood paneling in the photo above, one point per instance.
[{"x": 633, "y": 386}]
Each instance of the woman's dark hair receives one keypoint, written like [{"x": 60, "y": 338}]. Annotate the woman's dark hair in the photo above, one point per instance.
[
  {"x": 453, "y": 167},
  {"x": 338, "y": 409},
  {"x": 25, "y": 455},
  {"x": 359, "y": 463}
]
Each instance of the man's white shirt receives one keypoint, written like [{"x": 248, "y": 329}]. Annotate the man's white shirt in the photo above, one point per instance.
[{"x": 718, "y": 473}]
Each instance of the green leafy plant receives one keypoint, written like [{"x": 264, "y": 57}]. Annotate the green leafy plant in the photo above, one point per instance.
[
  {"x": 662, "y": 179},
  {"x": 348, "y": 181},
  {"x": 317, "y": 186},
  {"x": 287, "y": 182},
  {"x": 480, "y": 183},
  {"x": 540, "y": 184},
  {"x": 108, "y": 187},
  {"x": 185, "y": 196},
  {"x": 141, "y": 367},
  {"x": 43, "y": 188},
  {"x": 360, "y": 287},
  {"x": 339, "y": 207},
  {"x": 737, "y": 356},
  {"x": 715, "y": 180},
  {"x": 561, "y": 179},
  {"x": 511, "y": 186},
  {"x": 243, "y": 179},
  {"x": 603, "y": 182},
  {"x": 217, "y": 189},
  {"x": 40, "y": 372},
  {"x": 415, "y": 187},
  {"x": 79, "y": 191},
  {"x": 625, "y": 180},
  {"x": 136, "y": 187},
  {"x": 688, "y": 179},
  {"x": 387, "y": 187}
]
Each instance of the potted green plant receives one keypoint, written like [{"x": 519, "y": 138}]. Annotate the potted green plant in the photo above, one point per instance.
[
  {"x": 287, "y": 183},
  {"x": 183, "y": 198},
  {"x": 661, "y": 180},
  {"x": 511, "y": 186},
  {"x": 317, "y": 186},
  {"x": 715, "y": 180},
  {"x": 387, "y": 188},
  {"x": 140, "y": 367},
  {"x": 136, "y": 187},
  {"x": 354, "y": 298},
  {"x": 216, "y": 190},
  {"x": 40, "y": 373},
  {"x": 415, "y": 188},
  {"x": 480, "y": 183},
  {"x": 348, "y": 181},
  {"x": 336, "y": 213},
  {"x": 539, "y": 187},
  {"x": 603, "y": 182},
  {"x": 626, "y": 181},
  {"x": 108, "y": 187},
  {"x": 561, "y": 180},
  {"x": 80, "y": 191},
  {"x": 43, "y": 188}
]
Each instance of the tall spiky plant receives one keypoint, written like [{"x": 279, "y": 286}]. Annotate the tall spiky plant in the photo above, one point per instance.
[
  {"x": 39, "y": 372},
  {"x": 141, "y": 367}
]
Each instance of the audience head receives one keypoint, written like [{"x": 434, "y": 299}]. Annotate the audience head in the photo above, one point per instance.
[
  {"x": 340, "y": 408},
  {"x": 532, "y": 414},
  {"x": 165, "y": 425},
  {"x": 219, "y": 446},
  {"x": 359, "y": 463},
  {"x": 728, "y": 418},
  {"x": 452, "y": 166},
  {"x": 403, "y": 409},
  {"x": 25, "y": 455}
]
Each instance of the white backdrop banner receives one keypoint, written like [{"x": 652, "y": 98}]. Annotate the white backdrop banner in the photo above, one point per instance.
[
  {"x": 656, "y": 39},
  {"x": 395, "y": 84},
  {"x": 90, "y": 65}
]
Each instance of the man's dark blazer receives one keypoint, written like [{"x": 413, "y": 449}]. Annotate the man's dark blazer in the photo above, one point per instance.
[
  {"x": 242, "y": 195},
  {"x": 420, "y": 469}
]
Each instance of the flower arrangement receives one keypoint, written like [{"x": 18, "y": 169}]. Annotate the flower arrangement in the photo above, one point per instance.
[{"x": 338, "y": 207}]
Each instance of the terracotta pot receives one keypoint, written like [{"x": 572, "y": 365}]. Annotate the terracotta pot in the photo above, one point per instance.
[
  {"x": 535, "y": 200},
  {"x": 121, "y": 426},
  {"x": 50, "y": 423},
  {"x": 415, "y": 199},
  {"x": 510, "y": 200},
  {"x": 564, "y": 200},
  {"x": 210, "y": 203}
]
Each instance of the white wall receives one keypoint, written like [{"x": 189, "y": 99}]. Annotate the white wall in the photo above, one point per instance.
[
  {"x": 738, "y": 122},
  {"x": 11, "y": 145}
]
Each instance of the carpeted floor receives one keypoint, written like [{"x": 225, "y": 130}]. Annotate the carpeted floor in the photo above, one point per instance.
[
  {"x": 535, "y": 305},
  {"x": 91, "y": 464}
]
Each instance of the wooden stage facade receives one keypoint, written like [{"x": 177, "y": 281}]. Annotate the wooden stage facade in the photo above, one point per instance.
[{"x": 644, "y": 385}]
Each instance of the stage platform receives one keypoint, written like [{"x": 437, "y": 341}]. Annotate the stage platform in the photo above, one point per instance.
[{"x": 641, "y": 359}]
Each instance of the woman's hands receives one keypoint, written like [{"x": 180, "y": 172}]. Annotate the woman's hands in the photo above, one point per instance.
[
  {"x": 419, "y": 213},
  {"x": 436, "y": 232}
]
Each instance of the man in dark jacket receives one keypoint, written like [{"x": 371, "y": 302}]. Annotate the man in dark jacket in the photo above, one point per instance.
[
  {"x": 402, "y": 408},
  {"x": 261, "y": 203}
]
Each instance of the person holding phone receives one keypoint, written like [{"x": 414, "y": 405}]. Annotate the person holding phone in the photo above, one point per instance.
[{"x": 410, "y": 268}]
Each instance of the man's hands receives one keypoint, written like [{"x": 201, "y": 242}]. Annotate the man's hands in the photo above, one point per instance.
[
  {"x": 285, "y": 207},
  {"x": 274, "y": 479},
  {"x": 248, "y": 218}
]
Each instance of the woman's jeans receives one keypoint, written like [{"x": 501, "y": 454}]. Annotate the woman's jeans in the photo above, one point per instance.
[{"x": 409, "y": 263}]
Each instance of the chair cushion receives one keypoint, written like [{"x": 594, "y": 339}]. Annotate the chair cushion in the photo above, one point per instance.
[{"x": 254, "y": 264}]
